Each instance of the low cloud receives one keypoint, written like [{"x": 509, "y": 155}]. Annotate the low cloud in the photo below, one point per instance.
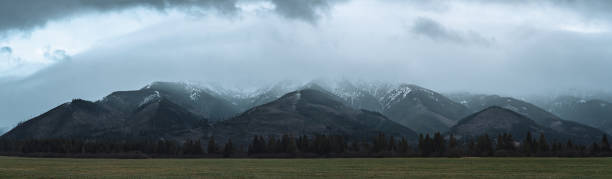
[
  {"x": 432, "y": 29},
  {"x": 56, "y": 55},
  {"x": 6, "y": 50},
  {"x": 9, "y": 64}
]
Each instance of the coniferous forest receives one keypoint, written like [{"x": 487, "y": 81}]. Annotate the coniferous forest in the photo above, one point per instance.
[{"x": 288, "y": 146}]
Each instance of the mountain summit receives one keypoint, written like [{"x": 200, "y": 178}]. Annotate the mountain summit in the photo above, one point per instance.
[{"x": 422, "y": 109}]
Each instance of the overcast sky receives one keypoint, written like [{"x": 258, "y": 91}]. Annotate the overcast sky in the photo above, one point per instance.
[{"x": 53, "y": 51}]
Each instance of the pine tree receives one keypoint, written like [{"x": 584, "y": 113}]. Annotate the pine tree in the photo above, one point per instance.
[
  {"x": 542, "y": 144},
  {"x": 403, "y": 145},
  {"x": 453, "y": 147},
  {"x": 509, "y": 142},
  {"x": 228, "y": 150},
  {"x": 391, "y": 146},
  {"x": 569, "y": 145},
  {"x": 605, "y": 146},
  {"x": 198, "y": 147},
  {"x": 439, "y": 145},
  {"x": 472, "y": 147},
  {"x": 484, "y": 146},
  {"x": 380, "y": 143},
  {"x": 284, "y": 143},
  {"x": 272, "y": 145},
  {"x": 595, "y": 149},
  {"x": 528, "y": 146},
  {"x": 212, "y": 147},
  {"x": 452, "y": 142},
  {"x": 501, "y": 143},
  {"x": 303, "y": 144},
  {"x": 291, "y": 145},
  {"x": 421, "y": 144}
]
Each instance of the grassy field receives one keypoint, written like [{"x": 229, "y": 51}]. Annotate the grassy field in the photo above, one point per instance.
[{"x": 15, "y": 167}]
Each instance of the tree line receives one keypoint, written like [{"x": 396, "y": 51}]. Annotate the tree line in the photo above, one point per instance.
[{"x": 435, "y": 145}]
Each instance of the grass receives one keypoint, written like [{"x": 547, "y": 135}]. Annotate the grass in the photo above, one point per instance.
[{"x": 15, "y": 167}]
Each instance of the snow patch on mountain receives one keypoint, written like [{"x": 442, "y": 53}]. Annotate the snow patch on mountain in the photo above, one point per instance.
[
  {"x": 395, "y": 96},
  {"x": 194, "y": 92},
  {"x": 150, "y": 98}
]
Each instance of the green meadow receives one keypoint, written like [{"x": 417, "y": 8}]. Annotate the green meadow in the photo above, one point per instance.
[{"x": 17, "y": 167}]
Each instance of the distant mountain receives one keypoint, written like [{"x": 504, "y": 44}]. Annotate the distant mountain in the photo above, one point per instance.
[
  {"x": 594, "y": 112},
  {"x": 180, "y": 111},
  {"x": 542, "y": 117},
  {"x": 496, "y": 120},
  {"x": 308, "y": 112},
  {"x": 191, "y": 97},
  {"x": 415, "y": 107},
  {"x": 421, "y": 109}
]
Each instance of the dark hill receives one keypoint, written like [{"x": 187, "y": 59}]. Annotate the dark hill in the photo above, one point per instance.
[
  {"x": 577, "y": 131},
  {"x": 76, "y": 119},
  {"x": 497, "y": 120}
]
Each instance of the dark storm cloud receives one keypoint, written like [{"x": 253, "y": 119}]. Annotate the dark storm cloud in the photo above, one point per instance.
[
  {"x": 7, "y": 50},
  {"x": 432, "y": 29},
  {"x": 28, "y": 14},
  {"x": 25, "y": 15},
  {"x": 591, "y": 8},
  {"x": 301, "y": 9}
]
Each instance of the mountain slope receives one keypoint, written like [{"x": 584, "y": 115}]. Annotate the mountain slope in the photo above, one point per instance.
[
  {"x": 576, "y": 130},
  {"x": 421, "y": 109},
  {"x": 163, "y": 119},
  {"x": 309, "y": 112},
  {"x": 76, "y": 119},
  {"x": 496, "y": 120},
  {"x": 595, "y": 113}
]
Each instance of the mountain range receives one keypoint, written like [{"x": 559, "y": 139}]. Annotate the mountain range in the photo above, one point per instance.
[{"x": 182, "y": 111}]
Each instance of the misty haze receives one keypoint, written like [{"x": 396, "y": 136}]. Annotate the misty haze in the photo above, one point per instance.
[{"x": 306, "y": 79}]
